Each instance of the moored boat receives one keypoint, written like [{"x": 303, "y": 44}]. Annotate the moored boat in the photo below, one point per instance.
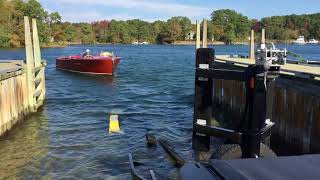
[
  {"x": 313, "y": 41},
  {"x": 300, "y": 40},
  {"x": 103, "y": 64}
]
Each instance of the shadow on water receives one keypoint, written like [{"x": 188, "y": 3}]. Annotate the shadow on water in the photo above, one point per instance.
[{"x": 25, "y": 144}]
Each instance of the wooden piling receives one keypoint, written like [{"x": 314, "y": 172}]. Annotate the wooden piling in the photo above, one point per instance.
[
  {"x": 30, "y": 63},
  {"x": 36, "y": 46},
  {"x": 263, "y": 36},
  {"x": 205, "y": 34},
  {"x": 198, "y": 35},
  {"x": 202, "y": 104},
  {"x": 252, "y": 46},
  {"x": 39, "y": 71}
]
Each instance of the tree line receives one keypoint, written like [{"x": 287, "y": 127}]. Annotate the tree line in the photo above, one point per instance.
[
  {"x": 291, "y": 26},
  {"x": 225, "y": 25}
]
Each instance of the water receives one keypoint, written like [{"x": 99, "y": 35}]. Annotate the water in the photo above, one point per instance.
[{"x": 152, "y": 91}]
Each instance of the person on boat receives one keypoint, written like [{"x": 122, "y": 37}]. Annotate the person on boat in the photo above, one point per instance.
[{"x": 87, "y": 54}]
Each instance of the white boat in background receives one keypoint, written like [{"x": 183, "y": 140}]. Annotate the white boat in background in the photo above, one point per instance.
[
  {"x": 136, "y": 42},
  {"x": 313, "y": 41},
  {"x": 300, "y": 40}
]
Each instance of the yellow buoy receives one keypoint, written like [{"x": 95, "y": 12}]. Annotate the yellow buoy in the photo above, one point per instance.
[{"x": 114, "y": 124}]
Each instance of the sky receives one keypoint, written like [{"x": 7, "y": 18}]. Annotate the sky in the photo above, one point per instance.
[{"x": 151, "y": 10}]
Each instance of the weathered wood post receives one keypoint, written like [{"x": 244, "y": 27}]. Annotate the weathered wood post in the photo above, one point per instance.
[
  {"x": 263, "y": 36},
  {"x": 39, "y": 69},
  {"x": 202, "y": 100},
  {"x": 30, "y": 64},
  {"x": 205, "y": 34},
  {"x": 252, "y": 45},
  {"x": 203, "y": 92},
  {"x": 198, "y": 35},
  {"x": 36, "y": 46}
]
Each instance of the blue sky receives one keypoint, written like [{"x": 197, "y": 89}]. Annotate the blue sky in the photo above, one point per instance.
[{"x": 151, "y": 10}]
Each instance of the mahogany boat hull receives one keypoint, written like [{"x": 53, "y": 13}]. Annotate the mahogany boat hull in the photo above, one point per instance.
[{"x": 102, "y": 66}]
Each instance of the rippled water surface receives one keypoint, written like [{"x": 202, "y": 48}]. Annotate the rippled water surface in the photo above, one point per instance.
[{"x": 152, "y": 91}]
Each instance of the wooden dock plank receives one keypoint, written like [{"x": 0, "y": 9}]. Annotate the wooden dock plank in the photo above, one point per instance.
[
  {"x": 9, "y": 64},
  {"x": 10, "y": 68},
  {"x": 307, "y": 71}
]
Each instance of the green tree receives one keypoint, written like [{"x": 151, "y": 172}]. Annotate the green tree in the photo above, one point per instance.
[
  {"x": 54, "y": 17},
  {"x": 180, "y": 26},
  {"x": 4, "y": 37},
  {"x": 118, "y": 32},
  {"x": 6, "y": 14},
  {"x": 44, "y": 32},
  {"x": 215, "y": 31},
  {"x": 87, "y": 33},
  {"x": 33, "y": 9},
  {"x": 70, "y": 33},
  {"x": 233, "y": 26},
  {"x": 291, "y": 26},
  {"x": 225, "y": 25},
  {"x": 174, "y": 30},
  {"x": 157, "y": 28},
  {"x": 315, "y": 30}
]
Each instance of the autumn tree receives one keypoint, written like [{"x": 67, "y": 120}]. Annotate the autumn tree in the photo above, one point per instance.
[
  {"x": 225, "y": 25},
  {"x": 230, "y": 25}
]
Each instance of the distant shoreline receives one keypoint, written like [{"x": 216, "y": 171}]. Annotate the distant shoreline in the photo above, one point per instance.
[
  {"x": 65, "y": 44},
  {"x": 194, "y": 43}
]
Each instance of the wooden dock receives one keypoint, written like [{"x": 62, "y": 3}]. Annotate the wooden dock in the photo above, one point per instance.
[
  {"x": 293, "y": 101},
  {"x": 22, "y": 82},
  {"x": 298, "y": 70},
  {"x": 296, "y": 104}
]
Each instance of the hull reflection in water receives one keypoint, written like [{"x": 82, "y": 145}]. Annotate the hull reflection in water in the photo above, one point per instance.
[{"x": 106, "y": 80}]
